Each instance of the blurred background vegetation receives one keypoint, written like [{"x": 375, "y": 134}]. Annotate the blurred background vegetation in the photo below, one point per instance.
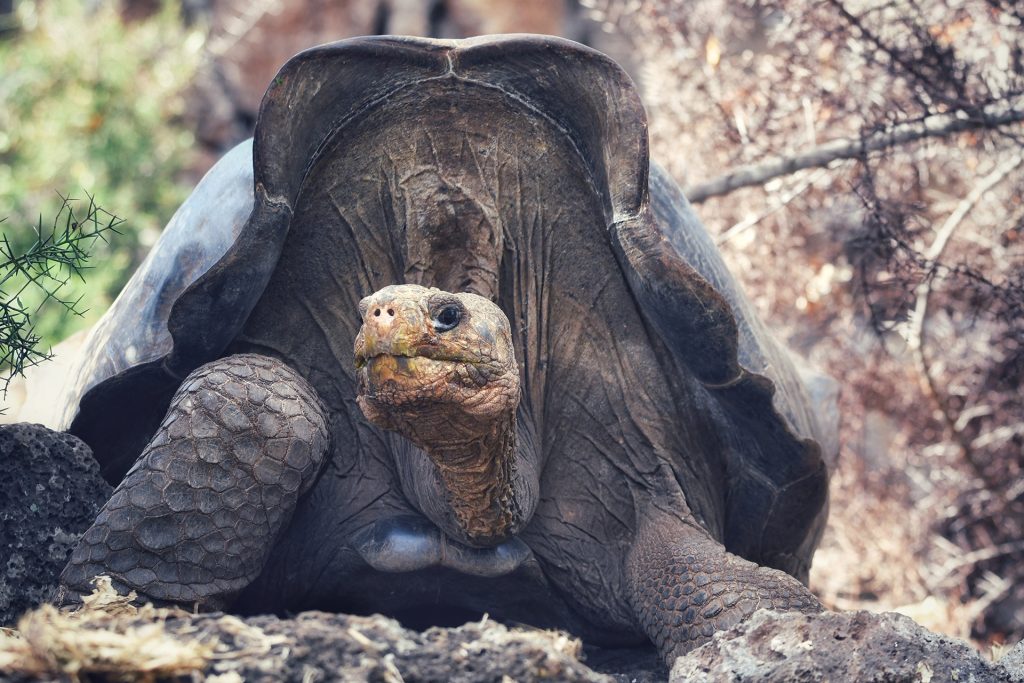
[{"x": 92, "y": 105}]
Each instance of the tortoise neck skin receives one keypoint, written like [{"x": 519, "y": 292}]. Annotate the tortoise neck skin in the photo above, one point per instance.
[
  {"x": 479, "y": 482},
  {"x": 439, "y": 369}
]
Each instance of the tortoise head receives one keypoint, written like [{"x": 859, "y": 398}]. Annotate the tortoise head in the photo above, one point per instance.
[
  {"x": 439, "y": 369},
  {"x": 434, "y": 366}
]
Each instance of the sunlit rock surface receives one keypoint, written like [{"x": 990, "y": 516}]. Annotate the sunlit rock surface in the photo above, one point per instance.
[{"x": 837, "y": 646}]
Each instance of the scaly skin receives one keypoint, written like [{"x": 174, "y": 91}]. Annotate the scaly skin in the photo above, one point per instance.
[
  {"x": 684, "y": 586},
  {"x": 194, "y": 519}
]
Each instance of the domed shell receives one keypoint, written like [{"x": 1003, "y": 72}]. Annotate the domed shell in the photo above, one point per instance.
[{"x": 769, "y": 431}]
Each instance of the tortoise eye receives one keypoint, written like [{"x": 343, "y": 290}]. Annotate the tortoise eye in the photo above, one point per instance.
[{"x": 447, "y": 318}]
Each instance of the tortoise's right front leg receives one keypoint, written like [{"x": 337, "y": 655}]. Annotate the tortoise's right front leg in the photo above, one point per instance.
[
  {"x": 193, "y": 520},
  {"x": 684, "y": 586}
]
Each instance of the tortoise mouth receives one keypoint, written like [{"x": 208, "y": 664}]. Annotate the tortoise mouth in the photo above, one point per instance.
[
  {"x": 363, "y": 359},
  {"x": 419, "y": 383},
  {"x": 421, "y": 376},
  {"x": 406, "y": 370}
]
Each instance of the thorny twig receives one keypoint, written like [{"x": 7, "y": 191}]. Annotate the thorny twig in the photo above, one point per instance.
[
  {"x": 59, "y": 253},
  {"x": 783, "y": 201}
]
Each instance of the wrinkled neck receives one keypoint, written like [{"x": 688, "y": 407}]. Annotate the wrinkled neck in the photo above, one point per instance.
[
  {"x": 486, "y": 491},
  {"x": 479, "y": 492}
]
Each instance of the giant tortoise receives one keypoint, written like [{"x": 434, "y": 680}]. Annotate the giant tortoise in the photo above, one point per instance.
[{"x": 559, "y": 409}]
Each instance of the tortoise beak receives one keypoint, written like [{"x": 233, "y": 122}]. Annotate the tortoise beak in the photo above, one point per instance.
[{"x": 390, "y": 327}]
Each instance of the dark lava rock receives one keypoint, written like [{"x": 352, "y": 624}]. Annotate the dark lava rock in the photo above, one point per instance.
[
  {"x": 329, "y": 647},
  {"x": 835, "y": 646},
  {"x": 50, "y": 492},
  {"x": 628, "y": 664},
  {"x": 169, "y": 644}
]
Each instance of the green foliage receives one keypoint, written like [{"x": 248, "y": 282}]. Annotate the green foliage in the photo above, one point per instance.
[
  {"x": 89, "y": 103},
  {"x": 44, "y": 271}
]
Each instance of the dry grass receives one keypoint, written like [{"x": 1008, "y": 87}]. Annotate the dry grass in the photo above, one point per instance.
[
  {"x": 112, "y": 639},
  {"x": 108, "y": 636}
]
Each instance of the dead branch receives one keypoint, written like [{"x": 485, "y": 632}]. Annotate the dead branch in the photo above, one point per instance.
[
  {"x": 939, "y": 125},
  {"x": 919, "y": 316},
  {"x": 781, "y": 203}
]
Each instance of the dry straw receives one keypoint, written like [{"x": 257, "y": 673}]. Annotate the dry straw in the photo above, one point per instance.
[{"x": 109, "y": 636}]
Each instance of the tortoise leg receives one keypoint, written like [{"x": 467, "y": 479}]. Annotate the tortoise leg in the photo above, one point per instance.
[
  {"x": 193, "y": 521},
  {"x": 684, "y": 586}
]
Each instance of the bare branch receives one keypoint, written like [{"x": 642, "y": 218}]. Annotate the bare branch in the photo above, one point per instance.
[
  {"x": 919, "y": 316},
  {"x": 779, "y": 204},
  {"x": 939, "y": 125}
]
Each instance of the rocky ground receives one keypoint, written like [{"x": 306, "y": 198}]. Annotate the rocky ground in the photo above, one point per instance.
[
  {"x": 111, "y": 639},
  {"x": 50, "y": 490},
  {"x": 841, "y": 646}
]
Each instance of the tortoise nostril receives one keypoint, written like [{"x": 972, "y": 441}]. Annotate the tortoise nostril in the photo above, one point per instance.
[
  {"x": 391, "y": 312},
  {"x": 377, "y": 313}
]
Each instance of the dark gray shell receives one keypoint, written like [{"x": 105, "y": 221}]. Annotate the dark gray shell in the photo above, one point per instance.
[
  {"x": 235, "y": 289},
  {"x": 123, "y": 356},
  {"x": 134, "y": 331}
]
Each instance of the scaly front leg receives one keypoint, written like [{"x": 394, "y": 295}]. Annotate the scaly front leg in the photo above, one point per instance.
[
  {"x": 684, "y": 586},
  {"x": 194, "y": 519}
]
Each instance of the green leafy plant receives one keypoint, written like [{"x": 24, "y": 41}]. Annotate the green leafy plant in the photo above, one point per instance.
[
  {"x": 90, "y": 101},
  {"x": 35, "y": 279}
]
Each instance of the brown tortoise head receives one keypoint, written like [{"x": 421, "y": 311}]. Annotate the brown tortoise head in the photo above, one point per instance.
[
  {"x": 434, "y": 366},
  {"x": 439, "y": 369}
]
